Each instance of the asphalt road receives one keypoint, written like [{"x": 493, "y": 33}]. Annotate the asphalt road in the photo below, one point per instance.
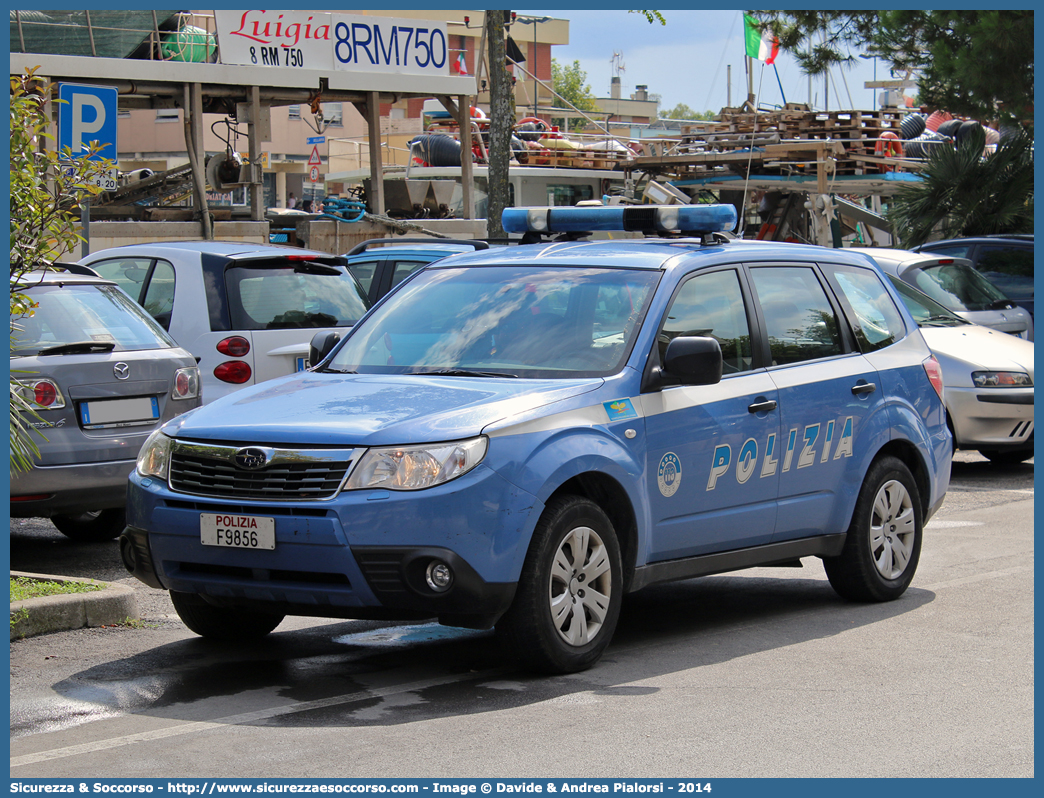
[{"x": 760, "y": 674}]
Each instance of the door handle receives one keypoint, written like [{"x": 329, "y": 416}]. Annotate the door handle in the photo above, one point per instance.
[
  {"x": 863, "y": 387},
  {"x": 762, "y": 407}
]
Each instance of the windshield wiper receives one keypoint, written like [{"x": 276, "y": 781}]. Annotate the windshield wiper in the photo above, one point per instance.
[
  {"x": 79, "y": 348},
  {"x": 1001, "y": 304},
  {"x": 464, "y": 373},
  {"x": 938, "y": 318},
  {"x": 336, "y": 371}
]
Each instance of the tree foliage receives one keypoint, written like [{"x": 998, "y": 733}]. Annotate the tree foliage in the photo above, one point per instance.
[
  {"x": 683, "y": 111},
  {"x": 46, "y": 187},
  {"x": 651, "y": 16},
  {"x": 571, "y": 90},
  {"x": 977, "y": 64},
  {"x": 963, "y": 193}
]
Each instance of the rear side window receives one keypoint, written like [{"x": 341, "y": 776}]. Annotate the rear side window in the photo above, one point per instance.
[
  {"x": 404, "y": 268},
  {"x": 128, "y": 273},
  {"x": 1008, "y": 268},
  {"x": 875, "y": 319},
  {"x": 283, "y": 298},
  {"x": 799, "y": 320},
  {"x": 364, "y": 271}
]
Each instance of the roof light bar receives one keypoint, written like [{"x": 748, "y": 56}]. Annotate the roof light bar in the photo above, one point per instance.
[{"x": 638, "y": 218}]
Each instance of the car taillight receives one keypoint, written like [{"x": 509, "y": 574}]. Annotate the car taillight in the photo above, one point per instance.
[
  {"x": 45, "y": 394},
  {"x": 186, "y": 383},
  {"x": 234, "y": 371},
  {"x": 235, "y": 346},
  {"x": 934, "y": 372}
]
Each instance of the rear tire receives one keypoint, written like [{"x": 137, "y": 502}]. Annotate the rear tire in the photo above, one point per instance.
[
  {"x": 568, "y": 598},
  {"x": 222, "y": 623},
  {"x": 93, "y": 526},
  {"x": 883, "y": 543}
]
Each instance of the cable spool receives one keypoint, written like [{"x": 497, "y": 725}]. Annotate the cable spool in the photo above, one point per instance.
[{"x": 912, "y": 126}]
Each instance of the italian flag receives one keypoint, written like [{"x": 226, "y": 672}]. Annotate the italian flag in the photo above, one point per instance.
[{"x": 762, "y": 46}]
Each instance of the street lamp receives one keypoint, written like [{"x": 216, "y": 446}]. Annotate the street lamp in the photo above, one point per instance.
[{"x": 534, "y": 21}]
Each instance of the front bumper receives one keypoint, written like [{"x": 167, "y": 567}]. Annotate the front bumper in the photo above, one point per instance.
[
  {"x": 76, "y": 488},
  {"x": 991, "y": 418},
  {"x": 363, "y": 555}
]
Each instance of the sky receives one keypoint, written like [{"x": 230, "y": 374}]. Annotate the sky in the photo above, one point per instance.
[{"x": 685, "y": 61}]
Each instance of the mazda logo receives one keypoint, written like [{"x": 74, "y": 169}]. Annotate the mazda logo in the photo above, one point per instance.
[
  {"x": 250, "y": 458},
  {"x": 121, "y": 370}
]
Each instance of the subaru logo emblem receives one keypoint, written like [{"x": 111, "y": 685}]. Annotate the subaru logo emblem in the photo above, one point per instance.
[
  {"x": 121, "y": 370},
  {"x": 250, "y": 458}
]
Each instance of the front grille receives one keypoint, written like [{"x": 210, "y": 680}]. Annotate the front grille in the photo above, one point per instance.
[{"x": 289, "y": 475}]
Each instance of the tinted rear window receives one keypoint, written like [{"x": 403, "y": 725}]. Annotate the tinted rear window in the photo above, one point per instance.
[
  {"x": 282, "y": 298},
  {"x": 76, "y": 313}
]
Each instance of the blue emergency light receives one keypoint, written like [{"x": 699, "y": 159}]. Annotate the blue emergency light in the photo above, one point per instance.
[{"x": 655, "y": 219}]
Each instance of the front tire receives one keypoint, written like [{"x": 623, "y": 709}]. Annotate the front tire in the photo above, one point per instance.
[
  {"x": 568, "y": 598},
  {"x": 222, "y": 623},
  {"x": 93, "y": 526},
  {"x": 883, "y": 544}
]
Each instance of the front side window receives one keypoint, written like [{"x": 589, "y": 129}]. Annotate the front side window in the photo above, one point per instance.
[
  {"x": 364, "y": 271},
  {"x": 283, "y": 298},
  {"x": 711, "y": 305},
  {"x": 81, "y": 314},
  {"x": 875, "y": 319},
  {"x": 799, "y": 320},
  {"x": 517, "y": 321},
  {"x": 959, "y": 287},
  {"x": 159, "y": 294}
]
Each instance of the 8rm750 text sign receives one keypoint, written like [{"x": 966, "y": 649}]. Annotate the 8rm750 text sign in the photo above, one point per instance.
[{"x": 346, "y": 42}]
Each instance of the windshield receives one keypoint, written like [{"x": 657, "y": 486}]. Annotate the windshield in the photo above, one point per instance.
[
  {"x": 925, "y": 310},
  {"x": 959, "y": 287},
  {"x": 281, "y": 298},
  {"x": 69, "y": 314},
  {"x": 513, "y": 321}
]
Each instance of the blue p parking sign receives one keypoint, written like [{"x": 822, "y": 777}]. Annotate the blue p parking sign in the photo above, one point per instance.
[{"x": 87, "y": 114}]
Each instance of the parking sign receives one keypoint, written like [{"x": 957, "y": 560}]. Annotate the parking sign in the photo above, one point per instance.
[{"x": 87, "y": 114}]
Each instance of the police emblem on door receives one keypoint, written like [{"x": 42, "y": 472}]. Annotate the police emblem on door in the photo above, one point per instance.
[{"x": 669, "y": 474}]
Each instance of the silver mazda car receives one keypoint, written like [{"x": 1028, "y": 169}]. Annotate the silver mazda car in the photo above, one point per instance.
[{"x": 101, "y": 375}]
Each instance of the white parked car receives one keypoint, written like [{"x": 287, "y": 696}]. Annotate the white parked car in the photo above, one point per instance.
[
  {"x": 246, "y": 311},
  {"x": 954, "y": 284},
  {"x": 987, "y": 380}
]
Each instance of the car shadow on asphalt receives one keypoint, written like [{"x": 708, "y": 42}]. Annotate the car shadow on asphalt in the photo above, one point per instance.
[{"x": 365, "y": 674}]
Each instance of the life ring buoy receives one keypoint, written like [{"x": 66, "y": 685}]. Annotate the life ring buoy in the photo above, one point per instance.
[
  {"x": 888, "y": 146},
  {"x": 477, "y": 113}
]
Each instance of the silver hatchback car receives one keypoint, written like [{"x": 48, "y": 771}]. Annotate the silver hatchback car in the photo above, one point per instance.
[
  {"x": 246, "y": 311},
  {"x": 954, "y": 284},
  {"x": 101, "y": 376}
]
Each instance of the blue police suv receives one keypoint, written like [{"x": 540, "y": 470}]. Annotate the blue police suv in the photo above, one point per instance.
[{"x": 518, "y": 437}]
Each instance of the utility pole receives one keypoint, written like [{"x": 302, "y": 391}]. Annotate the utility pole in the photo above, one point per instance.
[{"x": 501, "y": 121}]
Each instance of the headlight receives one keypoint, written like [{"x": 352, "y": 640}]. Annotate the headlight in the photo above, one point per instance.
[
  {"x": 1001, "y": 379},
  {"x": 154, "y": 456},
  {"x": 416, "y": 467}
]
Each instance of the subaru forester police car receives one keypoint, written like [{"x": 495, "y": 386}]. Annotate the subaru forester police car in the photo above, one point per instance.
[{"x": 518, "y": 437}]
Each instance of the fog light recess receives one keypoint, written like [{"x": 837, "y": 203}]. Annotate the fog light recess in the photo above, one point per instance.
[{"x": 439, "y": 576}]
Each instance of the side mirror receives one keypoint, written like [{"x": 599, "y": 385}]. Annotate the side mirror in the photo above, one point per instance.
[
  {"x": 692, "y": 360},
  {"x": 322, "y": 344}
]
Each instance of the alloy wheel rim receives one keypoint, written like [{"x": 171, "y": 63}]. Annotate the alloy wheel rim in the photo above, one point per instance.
[
  {"x": 893, "y": 530},
  {"x": 580, "y": 586}
]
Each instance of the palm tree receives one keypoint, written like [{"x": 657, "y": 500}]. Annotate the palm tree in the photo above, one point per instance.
[{"x": 965, "y": 193}]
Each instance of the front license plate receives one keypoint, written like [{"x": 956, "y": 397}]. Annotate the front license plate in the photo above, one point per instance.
[
  {"x": 237, "y": 531},
  {"x": 302, "y": 363}
]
